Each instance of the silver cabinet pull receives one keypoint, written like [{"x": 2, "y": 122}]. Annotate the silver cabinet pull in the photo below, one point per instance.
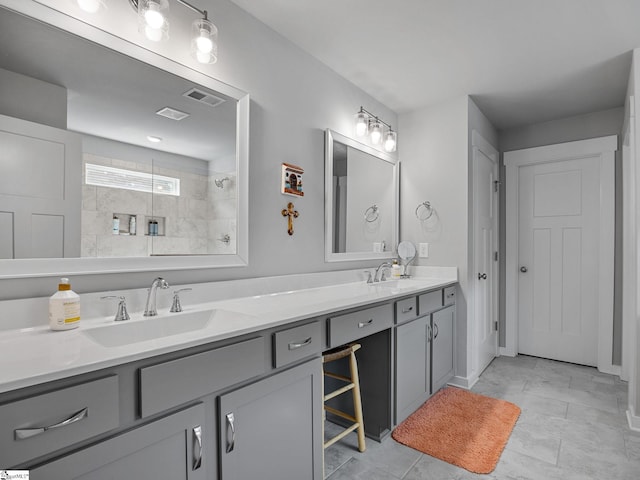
[
  {"x": 482, "y": 276},
  {"x": 407, "y": 310},
  {"x": 294, "y": 346},
  {"x": 435, "y": 331},
  {"x": 429, "y": 333},
  {"x": 365, "y": 324},
  {"x": 523, "y": 269},
  {"x": 22, "y": 433},
  {"x": 197, "y": 456},
  {"x": 230, "y": 423}
]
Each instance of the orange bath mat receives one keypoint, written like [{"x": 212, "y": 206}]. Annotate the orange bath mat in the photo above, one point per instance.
[{"x": 461, "y": 428}]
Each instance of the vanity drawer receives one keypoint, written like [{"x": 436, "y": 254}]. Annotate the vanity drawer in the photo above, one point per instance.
[
  {"x": 351, "y": 326},
  {"x": 296, "y": 343},
  {"x": 34, "y": 426},
  {"x": 406, "y": 309},
  {"x": 175, "y": 382},
  {"x": 449, "y": 295},
  {"x": 428, "y": 302}
]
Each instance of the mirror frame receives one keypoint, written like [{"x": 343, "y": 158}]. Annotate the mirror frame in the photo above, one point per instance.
[
  {"x": 43, "y": 267},
  {"x": 329, "y": 254}
]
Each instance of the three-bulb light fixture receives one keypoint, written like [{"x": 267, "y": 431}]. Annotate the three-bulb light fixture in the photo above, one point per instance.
[
  {"x": 369, "y": 124},
  {"x": 153, "y": 22}
]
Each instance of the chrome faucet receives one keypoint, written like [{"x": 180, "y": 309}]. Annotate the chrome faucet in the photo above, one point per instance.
[
  {"x": 381, "y": 268},
  {"x": 150, "y": 308}
]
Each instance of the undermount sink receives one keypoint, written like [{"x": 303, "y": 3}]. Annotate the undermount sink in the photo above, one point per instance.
[{"x": 151, "y": 328}]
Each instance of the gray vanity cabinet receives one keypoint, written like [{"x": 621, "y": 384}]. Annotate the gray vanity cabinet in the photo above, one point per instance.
[
  {"x": 173, "y": 447},
  {"x": 423, "y": 349},
  {"x": 413, "y": 370},
  {"x": 442, "y": 348},
  {"x": 271, "y": 429}
]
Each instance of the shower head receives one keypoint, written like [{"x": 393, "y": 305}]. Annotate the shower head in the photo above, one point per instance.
[{"x": 220, "y": 182}]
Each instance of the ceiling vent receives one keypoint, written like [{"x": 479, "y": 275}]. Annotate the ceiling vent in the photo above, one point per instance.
[
  {"x": 172, "y": 113},
  {"x": 203, "y": 97}
]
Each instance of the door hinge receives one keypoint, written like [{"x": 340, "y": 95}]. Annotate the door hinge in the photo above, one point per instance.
[
  {"x": 495, "y": 256},
  {"x": 496, "y": 185},
  {"x": 495, "y": 326}
]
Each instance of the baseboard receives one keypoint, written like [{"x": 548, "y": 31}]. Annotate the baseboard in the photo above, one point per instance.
[
  {"x": 610, "y": 369},
  {"x": 633, "y": 419},
  {"x": 507, "y": 352},
  {"x": 463, "y": 382}
]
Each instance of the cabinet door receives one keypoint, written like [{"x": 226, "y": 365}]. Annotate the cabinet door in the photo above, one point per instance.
[
  {"x": 165, "y": 448},
  {"x": 272, "y": 429},
  {"x": 412, "y": 366},
  {"x": 442, "y": 347}
]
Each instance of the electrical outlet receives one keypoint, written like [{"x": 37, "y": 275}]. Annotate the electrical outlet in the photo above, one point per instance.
[{"x": 423, "y": 250}]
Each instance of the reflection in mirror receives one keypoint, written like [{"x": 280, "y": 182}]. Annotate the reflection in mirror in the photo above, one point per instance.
[
  {"x": 106, "y": 156},
  {"x": 361, "y": 200}
]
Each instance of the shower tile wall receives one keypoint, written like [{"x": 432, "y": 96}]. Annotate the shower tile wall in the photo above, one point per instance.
[{"x": 193, "y": 221}]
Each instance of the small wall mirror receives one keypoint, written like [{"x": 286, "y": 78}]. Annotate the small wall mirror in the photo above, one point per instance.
[
  {"x": 114, "y": 158},
  {"x": 361, "y": 200},
  {"x": 406, "y": 253}
]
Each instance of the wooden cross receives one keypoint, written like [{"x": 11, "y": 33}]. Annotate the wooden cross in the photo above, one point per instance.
[{"x": 291, "y": 214}]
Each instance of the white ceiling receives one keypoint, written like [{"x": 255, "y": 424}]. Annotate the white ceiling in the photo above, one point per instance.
[{"x": 522, "y": 61}]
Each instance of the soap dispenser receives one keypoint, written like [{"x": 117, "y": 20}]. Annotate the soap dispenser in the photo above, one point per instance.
[
  {"x": 64, "y": 307},
  {"x": 396, "y": 270}
]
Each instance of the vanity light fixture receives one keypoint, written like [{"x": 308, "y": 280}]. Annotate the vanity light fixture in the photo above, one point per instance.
[
  {"x": 368, "y": 123},
  {"x": 154, "y": 23},
  {"x": 152, "y": 19}
]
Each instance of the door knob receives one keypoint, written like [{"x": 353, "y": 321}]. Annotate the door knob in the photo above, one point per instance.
[
  {"x": 523, "y": 269},
  {"x": 482, "y": 276}
]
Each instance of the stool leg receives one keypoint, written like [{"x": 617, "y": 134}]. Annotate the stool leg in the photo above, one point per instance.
[{"x": 357, "y": 400}]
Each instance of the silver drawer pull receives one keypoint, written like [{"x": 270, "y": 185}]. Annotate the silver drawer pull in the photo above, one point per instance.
[
  {"x": 407, "y": 310},
  {"x": 197, "y": 456},
  {"x": 22, "y": 433},
  {"x": 230, "y": 422},
  {"x": 295, "y": 346},
  {"x": 365, "y": 324},
  {"x": 435, "y": 331}
]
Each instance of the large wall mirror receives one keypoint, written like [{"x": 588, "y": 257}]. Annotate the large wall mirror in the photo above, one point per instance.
[
  {"x": 113, "y": 158},
  {"x": 361, "y": 200}
]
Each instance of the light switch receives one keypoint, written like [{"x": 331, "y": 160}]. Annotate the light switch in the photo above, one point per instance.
[{"x": 423, "y": 250}]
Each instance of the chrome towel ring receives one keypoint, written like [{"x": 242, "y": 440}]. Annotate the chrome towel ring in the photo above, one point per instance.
[
  {"x": 424, "y": 211},
  {"x": 372, "y": 213}
]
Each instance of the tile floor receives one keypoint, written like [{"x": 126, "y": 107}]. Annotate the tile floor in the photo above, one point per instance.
[{"x": 573, "y": 426}]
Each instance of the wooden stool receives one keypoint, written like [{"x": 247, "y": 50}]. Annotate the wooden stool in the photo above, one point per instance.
[{"x": 353, "y": 384}]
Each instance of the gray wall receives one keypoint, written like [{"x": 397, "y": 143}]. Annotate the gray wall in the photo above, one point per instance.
[
  {"x": 434, "y": 155},
  {"x": 597, "y": 124},
  {"x": 294, "y": 98},
  {"x": 32, "y": 100}
]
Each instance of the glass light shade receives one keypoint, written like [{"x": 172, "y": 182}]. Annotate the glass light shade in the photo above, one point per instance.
[
  {"x": 376, "y": 132},
  {"x": 390, "y": 141},
  {"x": 152, "y": 19},
  {"x": 90, "y": 6},
  {"x": 204, "y": 41},
  {"x": 362, "y": 124}
]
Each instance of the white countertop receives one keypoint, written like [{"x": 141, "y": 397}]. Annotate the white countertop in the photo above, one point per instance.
[{"x": 35, "y": 354}]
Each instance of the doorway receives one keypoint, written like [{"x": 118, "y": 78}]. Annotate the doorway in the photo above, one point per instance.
[{"x": 559, "y": 251}]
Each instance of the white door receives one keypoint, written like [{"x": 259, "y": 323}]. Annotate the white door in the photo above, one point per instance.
[
  {"x": 485, "y": 233},
  {"x": 561, "y": 258}
]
